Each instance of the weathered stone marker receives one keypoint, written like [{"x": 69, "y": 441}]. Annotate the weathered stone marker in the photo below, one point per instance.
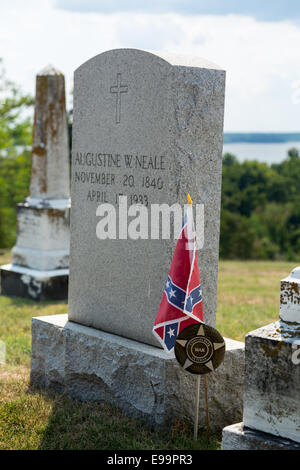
[
  {"x": 50, "y": 150},
  {"x": 290, "y": 297},
  {"x": 40, "y": 258},
  {"x": 150, "y": 128},
  {"x": 272, "y": 380}
]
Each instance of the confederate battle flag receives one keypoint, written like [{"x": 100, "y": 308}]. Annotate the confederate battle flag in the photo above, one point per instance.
[{"x": 181, "y": 303}]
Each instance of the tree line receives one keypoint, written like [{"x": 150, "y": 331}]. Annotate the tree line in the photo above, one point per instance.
[{"x": 260, "y": 215}]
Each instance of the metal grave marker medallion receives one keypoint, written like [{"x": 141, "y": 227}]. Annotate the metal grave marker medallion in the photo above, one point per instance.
[{"x": 200, "y": 349}]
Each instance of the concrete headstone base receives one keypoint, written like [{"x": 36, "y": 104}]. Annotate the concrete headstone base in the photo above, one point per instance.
[
  {"x": 236, "y": 437},
  {"x": 43, "y": 235},
  {"x": 18, "y": 281},
  {"x": 142, "y": 380}
]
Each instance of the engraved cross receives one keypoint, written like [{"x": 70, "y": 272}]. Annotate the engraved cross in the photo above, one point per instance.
[{"x": 118, "y": 89}]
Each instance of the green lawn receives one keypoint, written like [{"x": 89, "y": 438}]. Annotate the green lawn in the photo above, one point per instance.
[
  {"x": 249, "y": 294},
  {"x": 35, "y": 419}
]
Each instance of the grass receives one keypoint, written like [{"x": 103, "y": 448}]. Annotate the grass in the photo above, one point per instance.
[
  {"x": 248, "y": 295},
  {"x": 35, "y": 419}
]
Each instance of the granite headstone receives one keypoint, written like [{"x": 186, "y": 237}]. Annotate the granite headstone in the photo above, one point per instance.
[{"x": 148, "y": 127}]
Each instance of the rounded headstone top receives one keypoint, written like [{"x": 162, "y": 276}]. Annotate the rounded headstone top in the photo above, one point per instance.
[
  {"x": 180, "y": 60},
  {"x": 49, "y": 70},
  {"x": 295, "y": 274}
]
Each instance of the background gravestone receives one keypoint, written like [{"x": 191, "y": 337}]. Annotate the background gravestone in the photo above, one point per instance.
[
  {"x": 272, "y": 380},
  {"x": 141, "y": 118},
  {"x": 40, "y": 258}
]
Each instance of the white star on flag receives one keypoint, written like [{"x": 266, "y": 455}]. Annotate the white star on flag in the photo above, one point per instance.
[
  {"x": 171, "y": 332},
  {"x": 172, "y": 293}
]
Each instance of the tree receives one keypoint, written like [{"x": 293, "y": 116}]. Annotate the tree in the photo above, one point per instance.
[
  {"x": 15, "y": 154},
  {"x": 237, "y": 236},
  {"x": 229, "y": 159},
  {"x": 293, "y": 153}
]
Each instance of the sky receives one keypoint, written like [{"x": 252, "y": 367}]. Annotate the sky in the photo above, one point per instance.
[{"x": 256, "y": 42}]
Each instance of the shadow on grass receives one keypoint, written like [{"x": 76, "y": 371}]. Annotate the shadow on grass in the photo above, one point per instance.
[{"x": 99, "y": 426}]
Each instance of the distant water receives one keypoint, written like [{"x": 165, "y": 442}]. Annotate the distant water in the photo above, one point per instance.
[{"x": 269, "y": 153}]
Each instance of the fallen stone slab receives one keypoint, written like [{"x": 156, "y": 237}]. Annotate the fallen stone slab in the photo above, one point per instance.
[
  {"x": 237, "y": 437},
  {"x": 19, "y": 281}
]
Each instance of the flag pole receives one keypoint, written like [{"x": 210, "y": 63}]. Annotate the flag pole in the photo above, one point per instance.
[
  {"x": 196, "y": 419},
  {"x": 206, "y": 408},
  {"x": 197, "y": 404}
]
